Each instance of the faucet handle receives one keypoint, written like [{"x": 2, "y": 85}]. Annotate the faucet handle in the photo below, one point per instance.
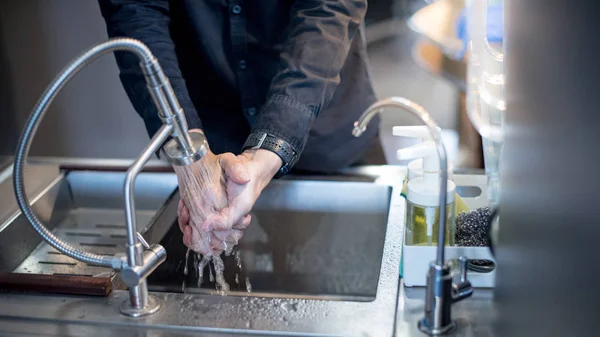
[
  {"x": 463, "y": 288},
  {"x": 464, "y": 262},
  {"x": 142, "y": 240}
]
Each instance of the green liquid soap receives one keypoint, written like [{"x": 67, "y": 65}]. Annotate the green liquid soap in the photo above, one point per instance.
[{"x": 423, "y": 224}]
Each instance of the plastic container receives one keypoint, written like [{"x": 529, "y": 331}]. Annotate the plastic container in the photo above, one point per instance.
[
  {"x": 416, "y": 259},
  {"x": 481, "y": 29},
  {"x": 423, "y": 191}
]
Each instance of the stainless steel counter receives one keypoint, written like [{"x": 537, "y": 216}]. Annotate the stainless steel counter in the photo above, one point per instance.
[{"x": 394, "y": 311}]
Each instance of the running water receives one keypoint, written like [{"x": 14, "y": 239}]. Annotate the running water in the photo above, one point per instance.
[
  {"x": 202, "y": 194},
  {"x": 204, "y": 261},
  {"x": 238, "y": 263},
  {"x": 222, "y": 285},
  {"x": 185, "y": 270},
  {"x": 248, "y": 285},
  {"x": 216, "y": 274}
]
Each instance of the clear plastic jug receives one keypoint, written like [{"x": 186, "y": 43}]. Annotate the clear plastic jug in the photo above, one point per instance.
[{"x": 485, "y": 83}]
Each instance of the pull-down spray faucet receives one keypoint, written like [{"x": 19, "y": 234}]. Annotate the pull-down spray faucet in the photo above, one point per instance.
[{"x": 183, "y": 149}]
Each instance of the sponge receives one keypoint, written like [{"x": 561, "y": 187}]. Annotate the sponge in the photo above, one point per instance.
[{"x": 472, "y": 227}]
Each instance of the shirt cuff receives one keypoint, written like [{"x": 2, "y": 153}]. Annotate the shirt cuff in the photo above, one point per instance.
[{"x": 287, "y": 118}]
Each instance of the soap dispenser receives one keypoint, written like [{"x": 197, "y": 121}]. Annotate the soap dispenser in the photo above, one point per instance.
[
  {"x": 415, "y": 167},
  {"x": 423, "y": 196}
]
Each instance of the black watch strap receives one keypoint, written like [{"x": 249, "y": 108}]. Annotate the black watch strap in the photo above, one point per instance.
[{"x": 280, "y": 147}]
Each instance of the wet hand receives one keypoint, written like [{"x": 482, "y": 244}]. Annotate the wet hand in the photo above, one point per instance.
[
  {"x": 207, "y": 242},
  {"x": 203, "y": 189},
  {"x": 261, "y": 166}
]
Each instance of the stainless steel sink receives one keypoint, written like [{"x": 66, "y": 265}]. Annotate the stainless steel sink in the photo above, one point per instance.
[
  {"x": 307, "y": 239},
  {"x": 84, "y": 208},
  {"x": 322, "y": 255}
]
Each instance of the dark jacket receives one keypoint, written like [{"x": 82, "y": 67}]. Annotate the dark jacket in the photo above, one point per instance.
[{"x": 294, "y": 69}]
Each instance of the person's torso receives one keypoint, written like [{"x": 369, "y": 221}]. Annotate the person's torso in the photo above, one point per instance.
[{"x": 228, "y": 53}]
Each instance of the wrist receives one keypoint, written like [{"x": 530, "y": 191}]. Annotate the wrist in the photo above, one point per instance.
[{"x": 269, "y": 162}]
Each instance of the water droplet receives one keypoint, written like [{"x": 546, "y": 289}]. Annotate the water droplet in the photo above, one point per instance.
[
  {"x": 248, "y": 284},
  {"x": 185, "y": 268},
  {"x": 290, "y": 306}
]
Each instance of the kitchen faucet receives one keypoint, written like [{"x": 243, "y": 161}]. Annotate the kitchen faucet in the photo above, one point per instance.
[
  {"x": 183, "y": 149},
  {"x": 440, "y": 291}
]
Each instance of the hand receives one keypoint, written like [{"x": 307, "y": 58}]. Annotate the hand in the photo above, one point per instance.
[
  {"x": 261, "y": 166},
  {"x": 207, "y": 242},
  {"x": 203, "y": 196}
]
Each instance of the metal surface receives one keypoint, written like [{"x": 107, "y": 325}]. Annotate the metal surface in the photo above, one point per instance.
[
  {"x": 139, "y": 302},
  {"x": 416, "y": 110},
  {"x": 549, "y": 229},
  {"x": 33, "y": 123},
  {"x": 438, "y": 300},
  {"x": 395, "y": 310},
  {"x": 180, "y": 157},
  {"x": 150, "y": 306},
  {"x": 303, "y": 315},
  {"x": 38, "y": 178},
  {"x": 85, "y": 208},
  {"x": 307, "y": 239},
  {"x": 175, "y": 124}
]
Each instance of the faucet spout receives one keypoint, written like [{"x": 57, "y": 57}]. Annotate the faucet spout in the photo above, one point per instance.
[
  {"x": 183, "y": 149},
  {"x": 440, "y": 292},
  {"x": 418, "y": 111}
]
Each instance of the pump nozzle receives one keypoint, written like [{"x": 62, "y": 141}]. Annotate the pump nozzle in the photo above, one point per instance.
[
  {"x": 417, "y": 131},
  {"x": 426, "y": 150}
]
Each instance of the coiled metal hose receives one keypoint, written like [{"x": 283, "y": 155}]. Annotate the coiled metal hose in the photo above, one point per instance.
[{"x": 32, "y": 125}]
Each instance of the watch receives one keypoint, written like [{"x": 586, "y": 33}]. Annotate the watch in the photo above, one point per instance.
[{"x": 265, "y": 141}]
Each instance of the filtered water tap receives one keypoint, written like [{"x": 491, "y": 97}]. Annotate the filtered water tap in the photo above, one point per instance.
[
  {"x": 183, "y": 149},
  {"x": 441, "y": 291}
]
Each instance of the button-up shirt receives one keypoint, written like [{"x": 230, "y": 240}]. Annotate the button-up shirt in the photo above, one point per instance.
[{"x": 294, "y": 69}]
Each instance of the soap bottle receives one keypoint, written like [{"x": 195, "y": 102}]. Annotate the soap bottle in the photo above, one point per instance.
[
  {"x": 415, "y": 167},
  {"x": 423, "y": 197}
]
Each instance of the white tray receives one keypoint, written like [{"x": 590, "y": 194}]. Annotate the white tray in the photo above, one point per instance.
[{"x": 416, "y": 259}]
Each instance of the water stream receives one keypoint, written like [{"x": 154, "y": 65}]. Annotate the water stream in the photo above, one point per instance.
[{"x": 216, "y": 271}]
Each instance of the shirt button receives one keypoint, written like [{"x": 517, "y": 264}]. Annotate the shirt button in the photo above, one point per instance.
[
  {"x": 252, "y": 111},
  {"x": 242, "y": 64},
  {"x": 237, "y": 9}
]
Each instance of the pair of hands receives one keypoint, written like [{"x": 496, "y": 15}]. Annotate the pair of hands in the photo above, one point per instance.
[{"x": 217, "y": 193}]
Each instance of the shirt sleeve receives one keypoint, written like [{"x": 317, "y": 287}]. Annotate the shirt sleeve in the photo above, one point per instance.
[
  {"x": 147, "y": 21},
  {"x": 314, "y": 51}
]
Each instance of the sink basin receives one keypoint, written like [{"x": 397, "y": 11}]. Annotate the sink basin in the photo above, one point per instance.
[
  {"x": 322, "y": 256},
  {"x": 85, "y": 209},
  {"x": 307, "y": 239}
]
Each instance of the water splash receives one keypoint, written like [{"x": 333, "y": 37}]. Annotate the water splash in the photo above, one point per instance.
[
  {"x": 187, "y": 257},
  {"x": 185, "y": 271},
  {"x": 204, "y": 261},
  {"x": 216, "y": 271},
  {"x": 248, "y": 285},
  {"x": 211, "y": 276},
  {"x": 222, "y": 285}
]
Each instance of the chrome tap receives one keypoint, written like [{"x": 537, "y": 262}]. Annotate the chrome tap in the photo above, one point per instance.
[
  {"x": 441, "y": 291},
  {"x": 183, "y": 149}
]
